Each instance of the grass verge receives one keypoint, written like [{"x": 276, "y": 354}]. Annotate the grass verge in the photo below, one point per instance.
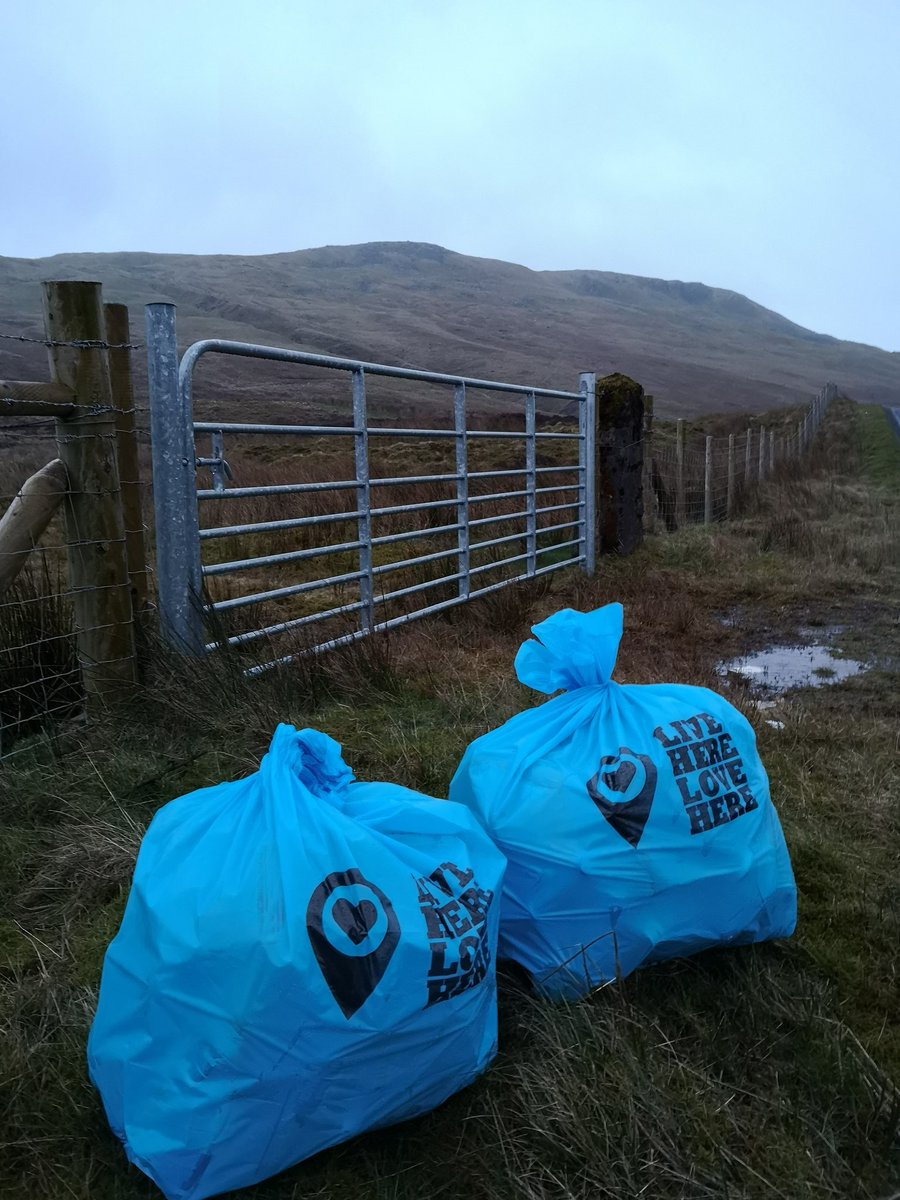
[{"x": 760, "y": 1072}]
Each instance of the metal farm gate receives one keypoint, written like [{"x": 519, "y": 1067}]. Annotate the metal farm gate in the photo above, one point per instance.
[{"x": 549, "y": 527}]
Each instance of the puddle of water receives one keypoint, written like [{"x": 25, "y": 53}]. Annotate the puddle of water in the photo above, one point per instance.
[{"x": 783, "y": 667}]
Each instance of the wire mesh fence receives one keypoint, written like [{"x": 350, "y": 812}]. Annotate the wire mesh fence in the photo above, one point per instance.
[
  {"x": 74, "y": 457},
  {"x": 696, "y": 478},
  {"x": 41, "y": 668}
]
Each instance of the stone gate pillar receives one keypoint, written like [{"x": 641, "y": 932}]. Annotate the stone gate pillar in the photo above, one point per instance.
[{"x": 620, "y": 462}]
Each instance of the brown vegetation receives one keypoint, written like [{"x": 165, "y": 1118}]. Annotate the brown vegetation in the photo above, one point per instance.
[
  {"x": 695, "y": 348},
  {"x": 756, "y": 1073}
]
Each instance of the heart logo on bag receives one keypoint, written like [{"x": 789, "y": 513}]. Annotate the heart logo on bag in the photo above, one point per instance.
[
  {"x": 354, "y": 932},
  {"x": 356, "y": 920},
  {"x": 619, "y": 780},
  {"x": 623, "y": 791}
]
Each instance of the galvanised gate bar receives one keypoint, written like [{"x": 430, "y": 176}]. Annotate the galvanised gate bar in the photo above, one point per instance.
[{"x": 187, "y": 613}]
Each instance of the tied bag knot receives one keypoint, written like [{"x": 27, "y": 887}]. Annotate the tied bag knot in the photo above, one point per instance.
[
  {"x": 313, "y": 759},
  {"x": 574, "y": 650}
]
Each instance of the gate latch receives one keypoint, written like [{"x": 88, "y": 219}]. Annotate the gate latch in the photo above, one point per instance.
[{"x": 218, "y": 467}]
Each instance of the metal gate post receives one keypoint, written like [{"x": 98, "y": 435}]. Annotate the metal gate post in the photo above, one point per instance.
[
  {"x": 363, "y": 497},
  {"x": 462, "y": 490},
  {"x": 587, "y": 461},
  {"x": 178, "y": 574},
  {"x": 530, "y": 483}
]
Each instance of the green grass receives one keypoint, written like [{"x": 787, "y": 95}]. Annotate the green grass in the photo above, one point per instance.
[
  {"x": 753, "y": 1073},
  {"x": 881, "y": 447}
]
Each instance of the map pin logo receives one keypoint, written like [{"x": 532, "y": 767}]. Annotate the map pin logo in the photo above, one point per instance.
[
  {"x": 354, "y": 932},
  {"x": 623, "y": 790}
]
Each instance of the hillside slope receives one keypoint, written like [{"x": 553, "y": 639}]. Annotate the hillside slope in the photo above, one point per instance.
[{"x": 694, "y": 347}]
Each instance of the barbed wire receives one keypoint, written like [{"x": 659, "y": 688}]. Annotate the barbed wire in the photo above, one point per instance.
[
  {"x": 80, "y": 344},
  {"x": 7, "y": 408}
]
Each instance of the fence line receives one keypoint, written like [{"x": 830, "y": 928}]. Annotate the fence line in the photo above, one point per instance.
[
  {"x": 73, "y": 560},
  {"x": 701, "y": 483},
  {"x": 483, "y": 518}
]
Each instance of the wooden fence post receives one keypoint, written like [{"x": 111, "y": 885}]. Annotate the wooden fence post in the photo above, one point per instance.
[
  {"x": 761, "y": 472},
  {"x": 679, "y": 473},
  {"x": 648, "y": 489},
  {"x": 117, "y": 334},
  {"x": 95, "y": 532},
  {"x": 27, "y": 517},
  {"x": 771, "y": 451},
  {"x": 707, "y": 482},
  {"x": 729, "y": 499}
]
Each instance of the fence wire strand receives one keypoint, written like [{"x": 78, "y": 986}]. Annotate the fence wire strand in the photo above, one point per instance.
[
  {"x": 41, "y": 665},
  {"x": 86, "y": 344},
  {"x": 677, "y": 483}
]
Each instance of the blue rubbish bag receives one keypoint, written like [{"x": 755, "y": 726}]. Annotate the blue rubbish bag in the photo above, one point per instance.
[
  {"x": 636, "y": 820},
  {"x": 302, "y": 958}
]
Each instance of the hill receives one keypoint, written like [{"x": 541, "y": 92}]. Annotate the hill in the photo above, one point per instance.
[{"x": 696, "y": 348}]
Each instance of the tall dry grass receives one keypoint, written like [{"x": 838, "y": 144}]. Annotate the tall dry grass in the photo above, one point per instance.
[
  {"x": 436, "y": 578},
  {"x": 752, "y": 1073}
]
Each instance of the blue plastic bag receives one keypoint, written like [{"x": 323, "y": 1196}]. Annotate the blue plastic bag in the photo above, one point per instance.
[
  {"x": 301, "y": 958},
  {"x": 636, "y": 820}
]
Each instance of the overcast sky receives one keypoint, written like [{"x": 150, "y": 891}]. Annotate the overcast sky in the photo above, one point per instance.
[{"x": 749, "y": 144}]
